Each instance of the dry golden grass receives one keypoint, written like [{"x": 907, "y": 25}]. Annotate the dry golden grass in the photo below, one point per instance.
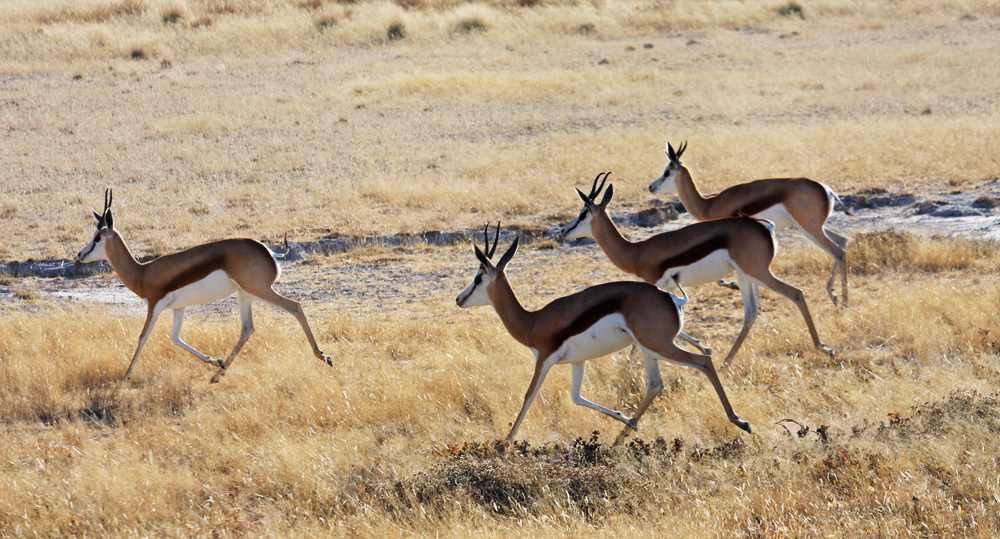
[
  {"x": 901, "y": 439},
  {"x": 320, "y": 137},
  {"x": 217, "y": 118},
  {"x": 70, "y": 30}
]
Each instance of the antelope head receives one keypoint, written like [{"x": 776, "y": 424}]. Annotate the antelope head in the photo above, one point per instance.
[
  {"x": 581, "y": 226},
  {"x": 477, "y": 293},
  {"x": 667, "y": 183},
  {"x": 96, "y": 249}
]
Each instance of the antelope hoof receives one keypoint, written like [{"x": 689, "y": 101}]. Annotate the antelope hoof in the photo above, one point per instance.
[
  {"x": 633, "y": 424},
  {"x": 220, "y": 363},
  {"x": 828, "y": 350},
  {"x": 745, "y": 425},
  {"x": 220, "y": 374},
  {"x": 323, "y": 357},
  {"x": 728, "y": 284},
  {"x": 503, "y": 447}
]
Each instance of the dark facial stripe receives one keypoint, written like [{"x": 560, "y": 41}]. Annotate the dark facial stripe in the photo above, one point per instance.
[
  {"x": 93, "y": 245},
  {"x": 575, "y": 223},
  {"x": 475, "y": 284}
]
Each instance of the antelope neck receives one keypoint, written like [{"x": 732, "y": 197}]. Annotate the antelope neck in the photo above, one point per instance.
[
  {"x": 129, "y": 270},
  {"x": 622, "y": 252},
  {"x": 515, "y": 318},
  {"x": 689, "y": 194}
]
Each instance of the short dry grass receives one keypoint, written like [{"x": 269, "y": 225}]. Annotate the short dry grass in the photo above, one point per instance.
[
  {"x": 323, "y": 138},
  {"x": 218, "y": 118},
  {"x": 60, "y": 30},
  {"x": 895, "y": 437}
]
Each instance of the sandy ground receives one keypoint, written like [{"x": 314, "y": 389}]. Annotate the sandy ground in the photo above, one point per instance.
[{"x": 369, "y": 279}]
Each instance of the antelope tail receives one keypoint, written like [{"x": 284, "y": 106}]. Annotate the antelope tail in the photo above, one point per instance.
[
  {"x": 679, "y": 301},
  {"x": 843, "y": 206},
  {"x": 288, "y": 248}
]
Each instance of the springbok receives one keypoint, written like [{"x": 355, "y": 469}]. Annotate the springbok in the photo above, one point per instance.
[
  {"x": 586, "y": 325},
  {"x": 694, "y": 255},
  {"x": 197, "y": 275},
  {"x": 783, "y": 201}
]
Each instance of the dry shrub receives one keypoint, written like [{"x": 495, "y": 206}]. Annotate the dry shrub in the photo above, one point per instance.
[
  {"x": 878, "y": 251},
  {"x": 471, "y": 19},
  {"x": 101, "y": 13},
  {"x": 325, "y": 20},
  {"x": 411, "y": 4},
  {"x": 960, "y": 410},
  {"x": 240, "y": 7},
  {"x": 175, "y": 12},
  {"x": 584, "y": 477}
]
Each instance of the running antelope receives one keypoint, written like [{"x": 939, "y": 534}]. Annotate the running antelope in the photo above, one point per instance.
[
  {"x": 198, "y": 275},
  {"x": 586, "y": 325},
  {"x": 692, "y": 256},
  {"x": 783, "y": 201}
]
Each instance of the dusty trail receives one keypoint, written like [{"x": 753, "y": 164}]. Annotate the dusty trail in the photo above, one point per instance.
[{"x": 370, "y": 284}]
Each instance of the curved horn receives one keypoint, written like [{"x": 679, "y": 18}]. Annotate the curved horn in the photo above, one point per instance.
[
  {"x": 486, "y": 239},
  {"x": 681, "y": 149},
  {"x": 605, "y": 179},
  {"x": 496, "y": 240},
  {"x": 594, "y": 189}
]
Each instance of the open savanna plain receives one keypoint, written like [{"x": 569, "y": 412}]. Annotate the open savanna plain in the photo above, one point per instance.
[{"x": 380, "y": 123}]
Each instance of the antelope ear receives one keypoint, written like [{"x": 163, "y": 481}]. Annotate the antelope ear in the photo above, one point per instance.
[
  {"x": 670, "y": 152},
  {"x": 109, "y": 220},
  {"x": 607, "y": 196},
  {"x": 584, "y": 198},
  {"x": 96, "y": 215},
  {"x": 483, "y": 259},
  {"x": 508, "y": 255}
]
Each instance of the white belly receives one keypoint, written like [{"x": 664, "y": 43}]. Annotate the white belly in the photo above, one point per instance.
[
  {"x": 607, "y": 335},
  {"x": 778, "y": 215},
  {"x": 215, "y": 285},
  {"x": 713, "y": 267}
]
